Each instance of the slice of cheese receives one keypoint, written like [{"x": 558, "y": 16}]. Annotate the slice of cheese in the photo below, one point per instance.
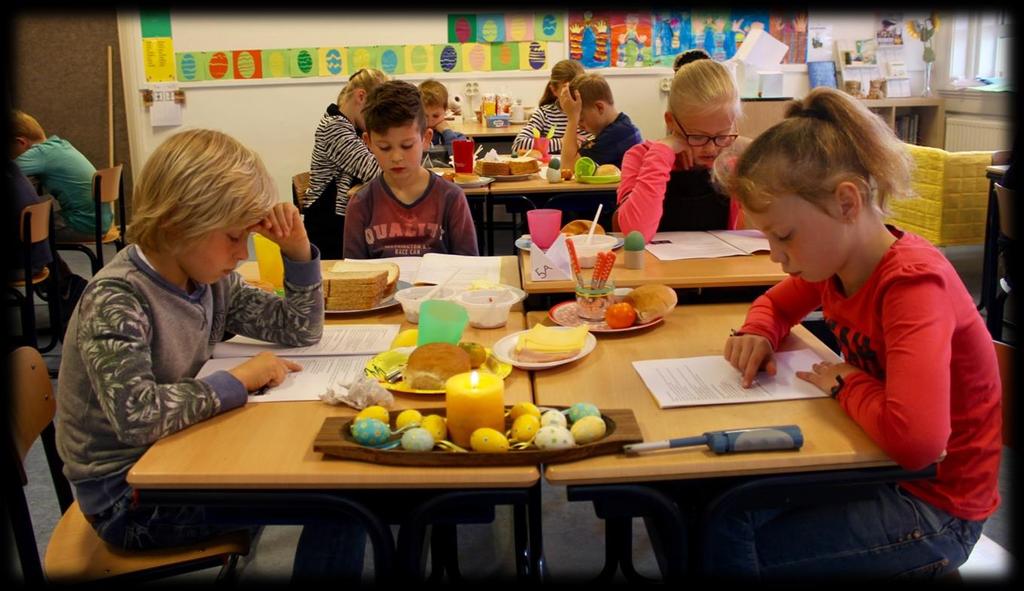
[{"x": 549, "y": 339}]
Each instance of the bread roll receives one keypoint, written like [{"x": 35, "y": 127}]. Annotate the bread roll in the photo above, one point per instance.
[
  {"x": 430, "y": 366},
  {"x": 651, "y": 301},
  {"x": 466, "y": 177},
  {"x": 607, "y": 170},
  {"x": 577, "y": 227}
]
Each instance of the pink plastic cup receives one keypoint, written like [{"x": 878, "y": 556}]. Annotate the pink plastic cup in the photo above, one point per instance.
[
  {"x": 544, "y": 224},
  {"x": 541, "y": 145}
]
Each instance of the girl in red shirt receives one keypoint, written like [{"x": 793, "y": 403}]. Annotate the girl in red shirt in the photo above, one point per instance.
[{"x": 920, "y": 374}]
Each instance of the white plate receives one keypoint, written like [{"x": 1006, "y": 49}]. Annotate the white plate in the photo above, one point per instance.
[
  {"x": 391, "y": 301},
  {"x": 502, "y": 350},
  {"x": 524, "y": 242},
  {"x": 482, "y": 182},
  {"x": 513, "y": 177}
]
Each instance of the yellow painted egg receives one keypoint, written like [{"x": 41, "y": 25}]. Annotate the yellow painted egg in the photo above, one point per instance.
[
  {"x": 436, "y": 426},
  {"x": 588, "y": 429},
  {"x": 553, "y": 417},
  {"x": 408, "y": 417},
  {"x": 374, "y": 412},
  {"x": 525, "y": 428},
  {"x": 417, "y": 439},
  {"x": 406, "y": 338},
  {"x": 524, "y": 408},
  {"x": 553, "y": 437},
  {"x": 488, "y": 440}
]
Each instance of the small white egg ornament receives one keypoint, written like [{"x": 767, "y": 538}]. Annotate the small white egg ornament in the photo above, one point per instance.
[
  {"x": 553, "y": 437},
  {"x": 553, "y": 417},
  {"x": 553, "y": 175},
  {"x": 417, "y": 439},
  {"x": 588, "y": 430}
]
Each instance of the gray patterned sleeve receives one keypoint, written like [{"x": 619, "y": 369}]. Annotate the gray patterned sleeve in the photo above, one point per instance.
[{"x": 113, "y": 338}]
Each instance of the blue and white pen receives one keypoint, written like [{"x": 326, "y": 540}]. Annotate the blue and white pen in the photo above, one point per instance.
[{"x": 733, "y": 440}]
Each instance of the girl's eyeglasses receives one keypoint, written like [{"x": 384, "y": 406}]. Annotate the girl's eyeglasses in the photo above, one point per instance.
[{"x": 698, "y": 140}]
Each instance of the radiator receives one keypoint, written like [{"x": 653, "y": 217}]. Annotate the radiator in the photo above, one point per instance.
[{"x": 978, "y": 133}]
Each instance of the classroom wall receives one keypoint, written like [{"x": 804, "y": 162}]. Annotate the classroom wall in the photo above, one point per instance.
[{"x": 277, "y": 117}]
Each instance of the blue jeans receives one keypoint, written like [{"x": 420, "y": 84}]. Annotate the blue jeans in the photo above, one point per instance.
[
  {"x": 326, "y": 551},
  {"x": 890, "y": 534}
]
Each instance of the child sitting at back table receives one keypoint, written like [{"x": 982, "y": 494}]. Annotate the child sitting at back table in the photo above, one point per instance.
[
  {"x": 588, "y": 103},
  {"x": 148, "y": 321},
  {"x": 407, "y": 210},
  {"x": 920, "y": 374},
  {"x": 435, "y": 105},
  {"x": 549, "y": 114},
  {"x": 666, "y": 184}
]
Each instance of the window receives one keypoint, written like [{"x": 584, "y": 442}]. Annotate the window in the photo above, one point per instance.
[{"x": 980, "y": 46}]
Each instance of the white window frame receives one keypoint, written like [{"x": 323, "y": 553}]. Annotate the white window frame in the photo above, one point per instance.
[{"x": 980, "y": 44}]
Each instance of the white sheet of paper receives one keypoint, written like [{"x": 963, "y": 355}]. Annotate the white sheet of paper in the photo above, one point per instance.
[
  {"x": 691, "y": 245},
  {"x": 551, "y": 265},
  {"x": 408, "y": 267},
  {"x": 318, "y": 373},
  {"x": 349, "y": 339},
  {"x": 749, "y": 241},
  {"x": 165, "y": 114},
  {"x": 436, "y": 268},
  {"x": 761, "y": 49},
  {"x": 698, "y": 381}
]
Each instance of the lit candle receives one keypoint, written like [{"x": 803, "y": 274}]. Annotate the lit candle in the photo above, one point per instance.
[{"x": 474, "y": 400}]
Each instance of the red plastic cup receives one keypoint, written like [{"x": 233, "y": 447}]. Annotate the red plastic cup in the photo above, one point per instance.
[
  {"x": 544, "y": 224},
  {"x": 541, "y": 145},
  {"x": 462, "y": 150}
]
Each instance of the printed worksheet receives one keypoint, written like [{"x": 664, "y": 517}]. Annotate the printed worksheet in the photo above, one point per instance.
[
  {"x": 696, "y": 381},
  {"x": 349, "y": 339},
  {"x": 318, "y": 374},
  {"x": 674, "y": 246},
  {"x": 458, "y": 269}
]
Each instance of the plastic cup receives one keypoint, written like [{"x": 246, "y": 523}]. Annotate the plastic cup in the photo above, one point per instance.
[
  {"x": 441, "y": 322},
  {"x": 462, "y": 152},
  {"x": 541, "y": 145},
  {"x": 544, "y": 224},
  {"x": 268, "y": 258}
]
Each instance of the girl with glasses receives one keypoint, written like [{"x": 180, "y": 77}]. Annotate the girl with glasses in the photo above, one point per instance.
[{"x": 666, "y": 184}]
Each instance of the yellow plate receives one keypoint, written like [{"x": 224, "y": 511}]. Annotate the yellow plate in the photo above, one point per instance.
[{"x": 387, "y": 361}]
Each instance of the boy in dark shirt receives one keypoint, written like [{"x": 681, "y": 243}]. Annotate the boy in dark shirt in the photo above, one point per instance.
[
  {"x": 407, "y": 210},
  {"x": 588, "y": 101}
]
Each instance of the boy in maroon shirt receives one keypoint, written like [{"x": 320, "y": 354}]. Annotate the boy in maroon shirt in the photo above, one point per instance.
[{"x": 407, "y": 210}]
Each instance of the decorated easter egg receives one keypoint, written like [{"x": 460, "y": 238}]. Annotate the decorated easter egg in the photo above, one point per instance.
[
  {"x": 553, "y": 175},
  {"x": 436, "y": 425},
  {"x": 489, "y": 31},
  {"x": 549, "y": 24},
  {"x": 305, "y": 62},
  {"x": 417, "y": 439},
  {"x": 370, "y": 432},
  {"x": 418, "y": 58},
  {"x": 588, "y": 429},
  {"x": 188, "y": 66},
  {"x": 524, "y": 408},
  {"x": 537, "y": 56},
  {"x": 246, "y": 65},
  {"x": 477, "y": 56},
  {"x": 488, "y": 440},
  {"x": 278, "y": 64},
  {"x": 360, "y": 58},
  {"x": 389, "y": 61},
  {"x": 373, "y": 412},
  {"x": 525, "y": 428},
  {"x": 555, "y": 163},
  {"x": 408, "y": 417},
  {"x": 552, "y": 417},
  {"x": 333, "y": 60},
  {"x": 505, "y": 55},
  {"x": 582, "y": 409},
  {"x": 449, "y": 58},
  {"x": 218, "y": 65},
  {"x": 553, "y": 437},
  {"x": 462, "y": 30},
  {"x": 634, "y": 241}
]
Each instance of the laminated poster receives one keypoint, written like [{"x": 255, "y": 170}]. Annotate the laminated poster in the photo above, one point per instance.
[
  {"x": 362, "y": 57},
  {"x": 671, "y": 35},
  {"x": 218, "y": 66},
  {"x": 490, "y": 28},
  {"x": 504, "y": 56},
  {"x": 392, "y": 59},
  {"x": 247, "y": 64},
  {"x": 476, "y": 57},
  {"x": 461, "y": 28},
  {"x": 419, "y": 59},
  {"x": 519, "y": 26},
  {"x": 302, "y": 62},
  {"x": 548, "y": 26},
  {"x": 448, "y": 58},
  {"x": 331, "y": 61},
  {"x": 590, "y": 38},
  {"x": 533, "y": 55},
  {"x": 275, "y": 63},
  {"x": 631, "y": 39},
  {"x": 191, "y": 66},
  {"x": 158, "y": 59}
]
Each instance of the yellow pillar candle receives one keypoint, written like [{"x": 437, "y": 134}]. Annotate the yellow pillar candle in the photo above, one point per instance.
[{"x": 474, "y": 400}]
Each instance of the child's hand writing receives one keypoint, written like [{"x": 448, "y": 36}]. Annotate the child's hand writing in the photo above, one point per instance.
[
  {"x": 265, "y": 369},
  {"x": 284, "y": 226},
  {"x": 749, "y": 353}
]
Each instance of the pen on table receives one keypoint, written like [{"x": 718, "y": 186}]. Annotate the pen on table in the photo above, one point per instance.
[{"x": 777, "y": 437}]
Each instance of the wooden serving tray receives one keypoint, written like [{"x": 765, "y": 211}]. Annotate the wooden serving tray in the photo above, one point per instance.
[{"x": 335, "y": 439}]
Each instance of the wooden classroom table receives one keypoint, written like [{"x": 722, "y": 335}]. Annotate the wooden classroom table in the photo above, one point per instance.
[
  {"x": 738, "y": 271},
  {"x": 475, "y": 129},
  {"x": 267, "y": 448}
]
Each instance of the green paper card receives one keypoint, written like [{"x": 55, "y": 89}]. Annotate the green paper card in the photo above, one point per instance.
[
  {"x": 191, "y": 66},
  {"x": 461, "y": 28},
  {"x": 362, "y": 57},
  {"x": 275, "y": 63},
  {"x": 155, "y": 23},
  {"x": 218, "y": 65},
  {"x": 419, "y": 59},
  {"x": 548, "y": 26},
  {"x": 302, "y": 62},
  {"x": 391, "y": 59},
  {"x": 448, "y": 58},
  {"x": 504, "y": 56}
]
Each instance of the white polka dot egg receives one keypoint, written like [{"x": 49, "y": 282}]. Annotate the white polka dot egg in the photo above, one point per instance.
[
  {"x": 553, "y": 437},
  {"x": 553, "y": 417}
]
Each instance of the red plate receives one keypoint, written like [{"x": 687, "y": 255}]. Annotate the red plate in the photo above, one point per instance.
[{"x": 564, "y": 314}]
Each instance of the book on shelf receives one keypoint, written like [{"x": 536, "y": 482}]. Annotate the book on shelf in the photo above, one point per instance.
[{"x": 822, "y": 74}]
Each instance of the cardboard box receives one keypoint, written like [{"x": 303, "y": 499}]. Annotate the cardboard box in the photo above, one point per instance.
[{"x": 497, "y": 121}]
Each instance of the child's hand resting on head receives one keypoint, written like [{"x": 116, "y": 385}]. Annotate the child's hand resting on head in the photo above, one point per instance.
[
  {"x": 683, "y": 151},
  {"x": 570, "y": 102},
  {"x": 265, "y": 369},
  {"x": 284, "y": 226},
  {"x": 749, "y": 353}
]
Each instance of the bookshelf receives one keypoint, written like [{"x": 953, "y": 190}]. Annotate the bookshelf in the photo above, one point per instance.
[{"x": 919, "y": 120}]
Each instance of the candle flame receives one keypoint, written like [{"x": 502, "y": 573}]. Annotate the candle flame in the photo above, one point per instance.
[{"x": 474, "y": 379}]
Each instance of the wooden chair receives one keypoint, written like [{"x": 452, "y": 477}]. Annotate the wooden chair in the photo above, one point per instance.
[
  {"x": 300, "y": 183},
  {"x": 107, "y": 187},
  {"x": 1005, "y": 354},
  {"x": 75, "y": 552},
  {"x": 37, "y": 226}
]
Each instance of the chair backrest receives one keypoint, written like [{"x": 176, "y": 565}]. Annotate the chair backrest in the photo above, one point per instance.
[
  {"x": 300, "y": 183},
  {"x": 1005, "y": 355},
  {"x": 107, "y": 183},
  {"x": 33, "y": 404},
  {"x": 1004, "y": 200},
  {"x": 1000, "y": 157},
  {"x": 39, "y": 222}
]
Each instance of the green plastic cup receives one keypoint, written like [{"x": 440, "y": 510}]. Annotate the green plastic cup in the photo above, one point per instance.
[{"x": 441, "y": 322}]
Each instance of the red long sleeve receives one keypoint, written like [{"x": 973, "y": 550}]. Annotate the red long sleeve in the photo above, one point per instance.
[{"x": 645, "y": 173}]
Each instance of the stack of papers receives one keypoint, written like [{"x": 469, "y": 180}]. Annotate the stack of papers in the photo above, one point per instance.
[
  {"x": 434, "y": 268},
  {"x": 674, "y": 246},
  {"x": 339, "y": 358}
]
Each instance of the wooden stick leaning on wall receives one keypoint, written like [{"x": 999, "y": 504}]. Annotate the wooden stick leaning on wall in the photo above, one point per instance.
[{"x": 110, "y": 106}]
